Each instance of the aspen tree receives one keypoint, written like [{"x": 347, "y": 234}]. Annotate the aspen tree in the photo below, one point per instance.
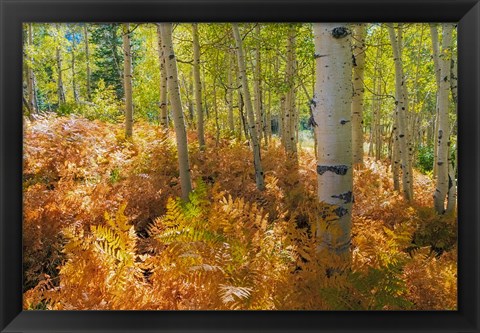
[
  {"x": 198, "y": 86},
  {"x": 30, "y": 75},
  {"x": 177, "y": 112},
  {"x": 436, "y": 66},
  {"x": 331, "y": 106},
  {"x": 401, "y": 111},
  {"x": 60, "y": 88},
  {"x": 257, "y": 163},
  {"x": 163, "y": 82},
  {"x": 443, "y": 131},
  {"x": 229, "y": 97},
  {"x": 290, "y": 105},
  {"x": 74, "y": 82},
  {"x": 257, "y": 92},
  {"x": 358, "y": 90},
  {"x": 127, "y": 80}
]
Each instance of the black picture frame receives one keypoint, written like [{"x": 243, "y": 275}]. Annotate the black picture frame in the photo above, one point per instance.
[{"x": 14, "y": 12}]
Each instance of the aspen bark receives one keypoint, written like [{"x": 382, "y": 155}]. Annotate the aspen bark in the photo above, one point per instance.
[
  {"x": 163, "y": 82},
  {"x": 257, "y": 163},
  {"x": 443, "y": 131},
  {"x": 401, "y": 112},
  {"x": 358, "y": 90},
  {"x": 230, "y": 120},
  {"x": 290, "y": 107},
  {"x": 74, "y": 82},
  {"x": 331, "y": 104},
  {"x": 127, "y": 80},
  {"x": 435, "y": 49},
  {"x": 198, "y": 86},
  {"x": 177, "y": 112},
  {"x": 257, "y": 92}
]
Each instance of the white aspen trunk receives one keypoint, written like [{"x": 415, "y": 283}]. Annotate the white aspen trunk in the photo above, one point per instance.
[
  {"x": 257, "y": 163},
  {"x": 127, "y": 80},
  {"x": 60, "y": 89},
  {"x": 198, "y": 86},
  {"x": 443, "y": 131},
  {"x": 87, "y": 61},
  {"x": 452, "y": 163},
  {"x": 401, "y": 115},
  {"x": 257, "y": 92},
  {"x": 358, "y": 90},
  {"x": 331, "y": 104},
  {"x": 436, "y": 52},
  {"x": 289, "y": 113},
  {"x": 74, "y": 82},
  {"x": 177, "y": 112},
  {"x": 30, "y": 75},
  {"x": 230, "y": 120},
  {"x": 163, "y": 103}
]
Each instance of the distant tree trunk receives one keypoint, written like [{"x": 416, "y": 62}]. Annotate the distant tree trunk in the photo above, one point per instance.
[
  {"x": 332, "y": 116},
  {"x": 257, "y": 163},
  {"x": 177, "y": 113},
  {"x": 87, "y": 61},
  {"x": 358, "y": 90},
  {"x": 257, "y": 90},
  {"x": 74, "y": 82},
  {"x": 30, "y": 75},
  {"x": 443, "y": 133},
  {"x": 401, "y": 117},
  {"x": 290, "y": 107},
  {"x": 435, "y": 46},
  {"x": 60, "y": 88},
  {"x": 198, "y": 86},
  {"x": 231, "y": 124},
  {"x": 127, "y": 80},
  {"x": 163, "y": 82}
]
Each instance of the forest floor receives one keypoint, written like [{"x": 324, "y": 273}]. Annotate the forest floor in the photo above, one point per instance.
[{"x": 102, "y": 228}]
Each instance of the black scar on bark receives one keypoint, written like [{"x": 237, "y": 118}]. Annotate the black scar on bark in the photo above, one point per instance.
[
  {"x": 401, "y": 135},
  {"x": 346, "y": 197},
  {"x": 440, "y": 134},
  {"x": 339, "y": 32},
  {"x": 340, "y": 211},
  {"x": 343, "y": 122},
  {"x": 171, "y": 56},
  {"x": 354, "y": 61},
  {"x": 439, "y": 163},
  {"x": 316, "y": 55},
  {"x": 338, "y": 169}
]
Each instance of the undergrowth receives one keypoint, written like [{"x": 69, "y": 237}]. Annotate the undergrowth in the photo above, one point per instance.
[{"x": 104, "y": 229}]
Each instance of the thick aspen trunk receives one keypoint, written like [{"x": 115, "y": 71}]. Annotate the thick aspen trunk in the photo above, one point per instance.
[
  {"x": 198, "y": 86},
  {"x": 127, "y": 80},
  {"x": 87, "y": 61},
  {"x": 358, "y": 90},
  {"x": 163, "y": 103},
  {"x": 257, "y": 163},
  {"x": 401, "y": 117},
  {"x": 332, "y": 114},
  {"x": 177, "y": 112},
  {"x": 443, "y": 131}
]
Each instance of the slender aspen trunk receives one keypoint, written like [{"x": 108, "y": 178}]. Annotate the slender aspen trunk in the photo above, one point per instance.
[
  {"x": 74, "y": 82},
  {"x": 290, "y": 109},
  {"x": 257, "y": 163},
  {"x": 401, "y": 115},
  {"x": 332, "y": 114},
  {"x": 163, "y": 82},
  {"x": 198, "y": 86},
  {"x": 257, "y": 92},
  {"x": 436, "y": 52},
  {"x": 443, "y": 132},
  {"x": 452, "y": 162},
  {"x": 60, "y": 88},
  {"x": 30, "y": 75},
  {"x": 229, "y": 95},
  {"x": 87, "y": 61},
  {"x": 358, "y": 90},
  {"x": 127, "y": 80},
  {"x": 177, "y": 113},
  {"x": 268, "y": 119}
]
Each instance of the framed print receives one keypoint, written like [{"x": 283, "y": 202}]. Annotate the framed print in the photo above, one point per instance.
[{"x": 239, "y": 165}]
